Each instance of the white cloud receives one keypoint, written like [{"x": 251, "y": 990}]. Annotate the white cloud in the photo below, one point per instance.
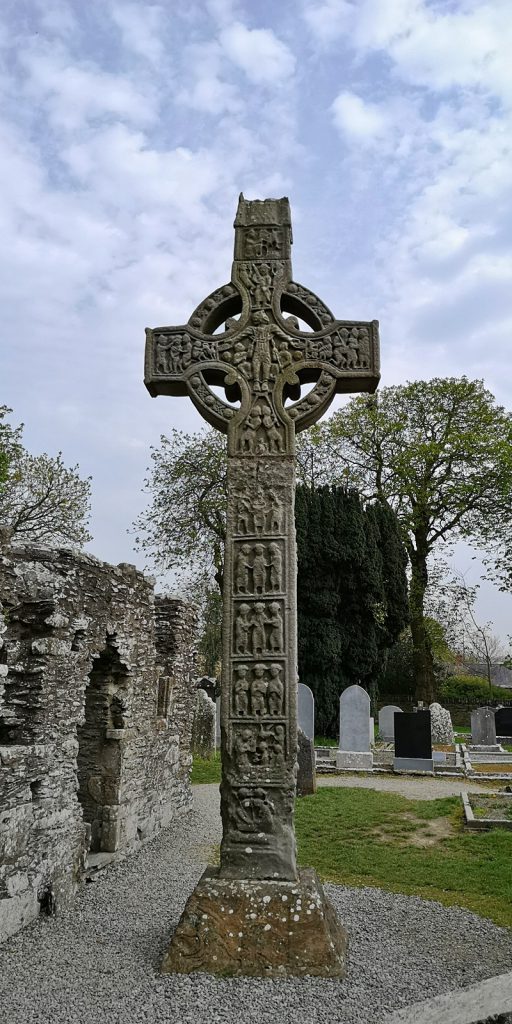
[
  {"x": 258, "y": 52},
  {"x": 75, "y": 94},
  {"x": 327, "y": 20},
  {"x": 359, "y": 120},
  {"x": 141, "y": 28},
  {"x": 208, "y": 91}
]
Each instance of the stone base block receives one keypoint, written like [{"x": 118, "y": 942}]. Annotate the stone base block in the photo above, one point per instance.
[
  {"x": 357, "y": 759},
  {"x": 258, "y": 928},
  {"x": 413, "y": 764}
]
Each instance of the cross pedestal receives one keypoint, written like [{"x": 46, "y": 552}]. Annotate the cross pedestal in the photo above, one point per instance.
[{"x": 257, "y": 914}]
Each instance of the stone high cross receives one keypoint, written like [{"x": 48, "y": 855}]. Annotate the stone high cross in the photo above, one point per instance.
[{"x": 261, "y": 359}]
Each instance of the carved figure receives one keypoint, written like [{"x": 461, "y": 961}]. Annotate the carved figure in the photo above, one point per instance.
[
  {"x": 274, "y": 434},
  {"x": 259, "y": 691},
  {"x": 258, "y": 629},
  {"x": 275, "y": 621},
  {"x": 244, "y": 744},
  {"x": 250, "y": 428},
  {"x": 276, "y": 513},
  {"x": 242, "y": 568},
  {"x": 275, "y": 691},
  {"x": 259, "y": 568},
  {"x": 242, "y": 626},
  {"x": 276, "y": 748},
  {"x": 243, "y": 514},
  {"x": 264, "y": 352},
  {"x": 241, "y": 690},
  {"x": 276, "y": 567},
  {"x": 259, "y": 512}
]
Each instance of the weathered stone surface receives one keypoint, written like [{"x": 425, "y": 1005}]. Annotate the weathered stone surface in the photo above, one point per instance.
[
  {"x": 258, "y": 928},
  {"x": 306, "y": 775},
  {"x": 95, "y": 689},
  {"x": 488, "y": 1002},
  {"x": 483, "y": 727},
  {"x": 441, "y": 724},
  {"x": 260, "y": 359},
  {"x": 354, "y": 760},
  {"x": 203, "y": 727},
  {"x": 387, "y": 721}
]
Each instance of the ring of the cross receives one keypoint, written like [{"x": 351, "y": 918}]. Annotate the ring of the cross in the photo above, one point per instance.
[
  {"x": 307, "y": 410},
  {"x": 200, "y": 381}
]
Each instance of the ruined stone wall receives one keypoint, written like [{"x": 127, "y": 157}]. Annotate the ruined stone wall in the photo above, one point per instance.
[{"x": 96, "y": 706}]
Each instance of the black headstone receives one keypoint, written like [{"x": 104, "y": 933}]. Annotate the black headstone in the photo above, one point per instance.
[
  {"x": 413, "y": 734},
  {"x": 503, "y": 718}
]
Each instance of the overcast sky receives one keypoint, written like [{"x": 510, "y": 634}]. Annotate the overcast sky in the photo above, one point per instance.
[{"x": 128, "y": 131}]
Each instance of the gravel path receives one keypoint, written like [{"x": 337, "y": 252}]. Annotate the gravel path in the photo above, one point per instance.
[
  {"x": 97, "y": 964},
  {"x": 419, "y": 787}
]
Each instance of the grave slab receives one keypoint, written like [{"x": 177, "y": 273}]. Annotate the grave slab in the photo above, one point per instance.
[{"x": 483, "y": 727}]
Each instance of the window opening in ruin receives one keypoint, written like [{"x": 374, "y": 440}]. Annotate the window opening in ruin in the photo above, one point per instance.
[
  {"x": 78, "y": 639},
  {"x": 99, "y": 755},
  {"x": 164, "y": 696},
  {"x": 36, "y": 790},
  {"x": 46, "y": 900}
]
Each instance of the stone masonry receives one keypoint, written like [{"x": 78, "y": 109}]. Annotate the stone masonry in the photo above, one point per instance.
[{"x": 96, "y": 706}]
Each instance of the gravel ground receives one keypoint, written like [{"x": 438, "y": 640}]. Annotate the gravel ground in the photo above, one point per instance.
[
  {"x": 98, "y": 962},
  {"x": 419, "y": 787}
]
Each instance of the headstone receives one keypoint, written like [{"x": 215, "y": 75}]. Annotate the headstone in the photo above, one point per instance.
[
  {"x": 354, "y": 748},
  {"x": 260, "y": 359},
  {"x": 306, "y": 711},
  {"x": 372, "y": 731},
  {"x": 413, "y": 742},
  {"x": 503, "y": 720},
  {"x": 203, "y": 726},
  {"x": 387, "y": 721},
  {"x": 306, "y": 778},
  {"x": 441, "y": 722},
  {"x": 483, "y": 728}
]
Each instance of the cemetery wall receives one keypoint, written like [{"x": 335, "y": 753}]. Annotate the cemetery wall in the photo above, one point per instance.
[{"x": 96, "y": 707}]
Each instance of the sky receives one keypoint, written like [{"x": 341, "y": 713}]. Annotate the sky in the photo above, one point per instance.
[{"x": 127, "y": 132}]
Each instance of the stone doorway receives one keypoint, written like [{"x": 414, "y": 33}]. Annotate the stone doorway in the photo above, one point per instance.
[{"x": 99, "y": 760}]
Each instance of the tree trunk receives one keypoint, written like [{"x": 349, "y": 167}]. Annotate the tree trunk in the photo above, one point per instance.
[{"x": 423, "y": 663}]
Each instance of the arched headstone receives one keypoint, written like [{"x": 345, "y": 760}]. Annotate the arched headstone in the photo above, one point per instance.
[
  {"x": 387, "y": 721},
  {"x": 306, "y": 711},
  {"x": 354, "y": 747}
]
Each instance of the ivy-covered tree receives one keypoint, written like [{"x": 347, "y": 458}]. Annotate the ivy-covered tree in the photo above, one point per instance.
[{"x": 351, "y": 593}]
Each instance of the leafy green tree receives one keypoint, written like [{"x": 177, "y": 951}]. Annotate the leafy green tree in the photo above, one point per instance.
[
  {"x": 41, "y": 500},
  {"x": 184, "y": 526},
  {"x": 351, "y": 593},
  {"x": 439, "y": 453}
]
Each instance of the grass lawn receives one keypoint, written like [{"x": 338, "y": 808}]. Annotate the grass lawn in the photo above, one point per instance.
[
  {"x": 363, "y": 837},
  {"x": 206, "y": 769}
]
